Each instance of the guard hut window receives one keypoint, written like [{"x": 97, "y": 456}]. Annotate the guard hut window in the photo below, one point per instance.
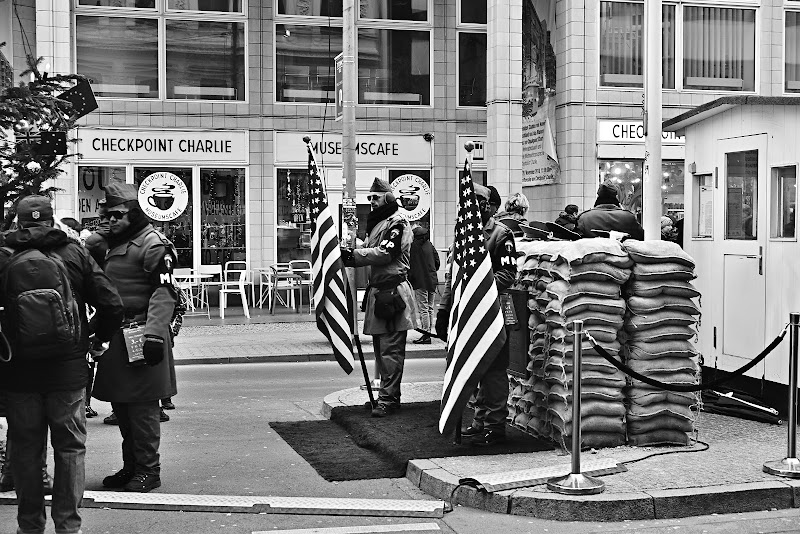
[
  {"x": 784, "y": 202},
  {"x": 622, "y": 44},
  {"x": 792, "y": 65},
  {"x": 741, "y": 195},
  {"x": 472, "y": 43},
  {"x": 168, "y": 49},
  {"x": 703, "y": 205}
]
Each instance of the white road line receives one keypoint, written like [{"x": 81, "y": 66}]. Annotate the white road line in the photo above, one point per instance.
[{"x": 409, "y": 527}]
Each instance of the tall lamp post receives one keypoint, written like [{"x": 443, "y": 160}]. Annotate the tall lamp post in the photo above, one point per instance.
[{"x": 651, "y": 188}]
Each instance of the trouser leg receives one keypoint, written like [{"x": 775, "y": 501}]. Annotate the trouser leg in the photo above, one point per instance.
[
  {"x": 66, "y": 412},
  {"x": 27, "y": 429},
  {"x": 424, "y": 302},
  {"x": 141, "y": 435},
  {"x": 491, "y": 402},
  {"x": 393, "y": 355}
]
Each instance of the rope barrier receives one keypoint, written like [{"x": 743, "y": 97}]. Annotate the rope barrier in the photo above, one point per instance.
[{"x": 687, "y": 388}]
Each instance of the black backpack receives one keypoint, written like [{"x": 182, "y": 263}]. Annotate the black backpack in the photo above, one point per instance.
[{"x": 41, "y": 317}]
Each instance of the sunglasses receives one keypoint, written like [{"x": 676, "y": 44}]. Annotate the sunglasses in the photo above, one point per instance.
[
  {"x": 116, "y": 214},
  {"x": 483, "y": 203},
  {"x": 374, "y": 197}
]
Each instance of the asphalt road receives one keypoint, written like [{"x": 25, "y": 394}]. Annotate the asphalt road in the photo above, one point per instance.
[{"x": 219, "y": 443}]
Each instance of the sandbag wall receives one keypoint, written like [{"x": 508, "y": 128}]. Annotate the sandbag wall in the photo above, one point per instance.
[
  {"x": 567, "y": 281},
  {"x": 656, "y": 342}
]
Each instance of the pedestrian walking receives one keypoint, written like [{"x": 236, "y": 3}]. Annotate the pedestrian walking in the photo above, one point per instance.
[
  {"x": 140, "y": 263},
  {"x": 391, "y": 310},
  {"x": 423, "y": 278},
  {"x": 46, "y": 376},
  {"x": 607, "y": 214},
  {"x": 491, "y": 408}
]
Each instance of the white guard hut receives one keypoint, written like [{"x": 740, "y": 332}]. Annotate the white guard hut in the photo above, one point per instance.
[{"x": 742, "y": 155}]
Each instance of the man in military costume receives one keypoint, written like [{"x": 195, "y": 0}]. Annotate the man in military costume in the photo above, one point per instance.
[
  {"x": 491, "y": 408},
  {"x": 140, "y": 263},
  {"x": 391, "y": 310}
]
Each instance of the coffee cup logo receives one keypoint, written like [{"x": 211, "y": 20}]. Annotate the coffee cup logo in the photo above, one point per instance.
[
  {"x": 162, "y": 197},
  {"x": 413, "y": 194},
  {"x": 409, "y": 198}
]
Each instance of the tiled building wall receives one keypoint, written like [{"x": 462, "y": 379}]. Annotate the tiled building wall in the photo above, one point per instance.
[{"x": 23, "y": 11}]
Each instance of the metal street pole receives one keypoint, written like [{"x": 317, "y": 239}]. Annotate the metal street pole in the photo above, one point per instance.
[
  {"x": 349, "y": 117},
  {"x": 651, "y": 183}
]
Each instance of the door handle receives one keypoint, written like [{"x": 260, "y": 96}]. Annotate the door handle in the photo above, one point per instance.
[{"x": 760, "y": 260}]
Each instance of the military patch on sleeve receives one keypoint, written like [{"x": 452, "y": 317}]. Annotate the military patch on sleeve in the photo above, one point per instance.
[
  {"x": 393, "y": 240},
  {"x": 509, "y": 254},
  {"x": 162, "y": 275}
]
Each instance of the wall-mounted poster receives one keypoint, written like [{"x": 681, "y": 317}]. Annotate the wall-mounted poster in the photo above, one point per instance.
[{"x": 539, "y": 157}]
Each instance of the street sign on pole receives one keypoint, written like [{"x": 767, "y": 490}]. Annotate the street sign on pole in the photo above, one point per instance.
[{"x": 339, "y": 85}]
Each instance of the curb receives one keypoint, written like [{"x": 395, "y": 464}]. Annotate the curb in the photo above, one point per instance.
[
  {"x": 608, "y": 507},
  {"x": 293, "y": 358}
]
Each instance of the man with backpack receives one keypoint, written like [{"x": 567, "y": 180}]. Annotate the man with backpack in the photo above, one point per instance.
[
  {"x": 140, "y": 263},
  {"x": 46, "y": 281}
]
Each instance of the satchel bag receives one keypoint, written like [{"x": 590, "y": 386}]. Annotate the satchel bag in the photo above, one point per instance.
[{"x": 388, "y": 304}]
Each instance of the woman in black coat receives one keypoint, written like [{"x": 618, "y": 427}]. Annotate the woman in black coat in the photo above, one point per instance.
[{"x": 423, "y": 278}]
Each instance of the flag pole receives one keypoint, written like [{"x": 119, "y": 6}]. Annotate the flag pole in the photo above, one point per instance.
[{"x": 357, "y": 339}]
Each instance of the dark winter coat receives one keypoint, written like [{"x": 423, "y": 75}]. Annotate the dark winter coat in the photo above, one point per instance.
[
  {"x": 135, "y": 267},
  {"x": 608, "y": 217},
  {"x": 424, "y": 261},
  {"x": 68, "y": 371},
  {"x": 567, "y": 220}
]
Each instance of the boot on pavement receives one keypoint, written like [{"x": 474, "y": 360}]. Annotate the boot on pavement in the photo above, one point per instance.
[
  {"x": 118, "y": 479},
  {"x": 143, "y": 482}
]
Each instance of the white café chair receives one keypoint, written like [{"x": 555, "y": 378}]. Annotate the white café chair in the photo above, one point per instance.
[
  {"x": 214, "y": 280},
  {"x": 281, "y": 284},
  {"x": 303, "y": 268},
  {"x": 234, "y": 279}
]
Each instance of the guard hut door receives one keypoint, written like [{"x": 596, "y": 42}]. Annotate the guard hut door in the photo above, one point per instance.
[{"x": 742, "y": 213}]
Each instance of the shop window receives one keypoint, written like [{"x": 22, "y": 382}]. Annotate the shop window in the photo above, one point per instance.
[
  {"x": 703, "y": 205},
  {"x": 220, "y": 6},
  {"x": 222, "y": 216},
  {"x": 792, "y": 65},
  {"x": 416, "y": 10},
  {"x": 92, "y": 182},
  {"x": 719, "y": 48},
  {"x": 119, "y": 55},
  {"x": 741, "y": 195},
  {"x": 179, "y": 228},
  {"x": 294, "y": 216},
  {"x": 784, "y": 201},
  {"x": 471, "y": 69},
  {"x": 622, "y": 44},
  {"x": 205, "y": 60},
  {"x": 304, "y": 57},
  {"x": 473, "y": 11},
  {"x": 328, "y": 8},
  {"x": 139, "y": 4},
  {"x": 629, "y": 175},
  {"x": 394, "y": 67}
]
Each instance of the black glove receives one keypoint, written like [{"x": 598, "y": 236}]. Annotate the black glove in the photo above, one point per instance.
[
  {"x": 153, "y": 350},
  {"x": 347, "y": 257},
  {"x": 442, "y": 319}
]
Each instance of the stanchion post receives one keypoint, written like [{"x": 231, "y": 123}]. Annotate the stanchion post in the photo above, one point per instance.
[
  {"x": 576, "y": 483},
  {"x": 790, "y": 466}
]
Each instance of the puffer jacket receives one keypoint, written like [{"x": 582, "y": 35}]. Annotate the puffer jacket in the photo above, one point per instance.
[{"x": 608, "y": 217}]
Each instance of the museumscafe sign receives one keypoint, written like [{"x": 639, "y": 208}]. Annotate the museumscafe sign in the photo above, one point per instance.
[
  {"x": 370, "y": 148},
  {"x": 162, "y": 145}
]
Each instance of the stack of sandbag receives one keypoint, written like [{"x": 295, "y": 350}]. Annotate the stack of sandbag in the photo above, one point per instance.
[
  {"x": 659, "y": 326},
  {"x": 568, "y": 281}
]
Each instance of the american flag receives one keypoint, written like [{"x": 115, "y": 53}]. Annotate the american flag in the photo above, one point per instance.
[
  {"x": 476, "y": 331},
  {"x": 333, "y": 317}
]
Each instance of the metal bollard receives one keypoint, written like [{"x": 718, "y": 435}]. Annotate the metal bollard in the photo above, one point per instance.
[
  {"x": 576, "y": 483},
  {"x": 790, "y": 466}
]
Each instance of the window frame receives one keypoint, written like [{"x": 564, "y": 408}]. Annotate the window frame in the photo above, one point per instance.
[
  {"x": 793, "y": 8},
  {"x": 468, "y": 27},
  {"x": 361, "y": 23},
  {"x": 774, "y": 198},
  {"x": 754, "y": 5},
  {"x": 162, "y": 14}
]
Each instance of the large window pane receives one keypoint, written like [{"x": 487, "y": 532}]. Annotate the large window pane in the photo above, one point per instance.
[
  {"x": 741, "y": 195},
  {"x": 222, "y": 222},
  {"x": 224, "y": 6},
  {"x": 784, "y": 199},
  {"x": 205, "y": 60},
  {"x": 622, "y": 44},
  {"x": 471, "y": 69},
  {"x": 118, "y": 55},
  {"x": 92, "y": 182},
  {"x": 316, "y": 8},
  {"x": 394, "y": 9},
  {"x": 146, "y": 4},
  {"x": 473, "y": 11},
  {"x": 178, "y": 230},
  {"x": 629, "y": 175},
  {"x": 294, "y": 222},
  {"x": 719, "y": 48},
  {"x": 793, "y": 51},
  {"x": 394, "y": 67},
  {"x": 304, "y": 62}
]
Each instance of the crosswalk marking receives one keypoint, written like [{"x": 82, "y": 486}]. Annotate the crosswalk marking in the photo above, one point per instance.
[{"x": 369, "y": 529}]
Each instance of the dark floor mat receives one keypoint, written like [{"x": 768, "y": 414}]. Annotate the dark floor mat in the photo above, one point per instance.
[{"x": 354, "y": 446}]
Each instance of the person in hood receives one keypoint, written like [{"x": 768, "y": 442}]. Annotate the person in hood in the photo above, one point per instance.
[
  {"x": 423, "y": 278},
  {"x": 48, "y": 392},
  {"x": 607, "y": 214},
  {"x": 569, "y": 217}
]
